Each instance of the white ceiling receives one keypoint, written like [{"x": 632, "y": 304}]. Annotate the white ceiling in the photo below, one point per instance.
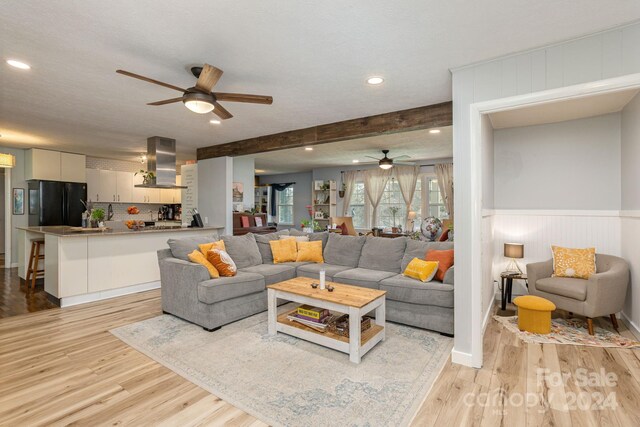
[
  {"x": 560, "y": 111},
  {"x": 312, "y": 57},
  {"x": 420, "y": 145}
]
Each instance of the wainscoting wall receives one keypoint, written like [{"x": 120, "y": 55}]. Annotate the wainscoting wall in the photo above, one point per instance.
[{"x": 539, "y": 229}]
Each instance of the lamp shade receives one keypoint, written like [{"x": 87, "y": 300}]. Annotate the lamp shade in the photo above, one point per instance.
[
  {"x": 7, "y": 160},
  {"x": 411, "y": 216},
  {"x": 514, "y": 250}
]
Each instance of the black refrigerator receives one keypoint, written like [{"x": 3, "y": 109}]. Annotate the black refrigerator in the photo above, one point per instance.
[{"x": 56, "y": 203}]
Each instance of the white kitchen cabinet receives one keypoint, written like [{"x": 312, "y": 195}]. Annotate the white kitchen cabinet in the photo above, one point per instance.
[
  {"x": 124, "y": 187},
  {"x": 108, "y": 186},
  {"x": 73, "y": 167},
  {"x": 139, "y": 195},
  {"x": 166, "y": 196},
  {"x": 153, "y": 195},
  {"x": 93, "y": 184},
  {"x": 42, "y": 164}
]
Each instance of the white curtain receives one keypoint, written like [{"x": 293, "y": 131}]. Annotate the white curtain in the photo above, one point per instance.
[
  {"x": 444, "y": 173},
  {"x": 375, "y": 180},
  {"x": 407, "y": 177},
  {"x": 349, "y": 181}
]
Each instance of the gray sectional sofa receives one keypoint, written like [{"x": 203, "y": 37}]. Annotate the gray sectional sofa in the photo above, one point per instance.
[{"x": 373, "y": 262}]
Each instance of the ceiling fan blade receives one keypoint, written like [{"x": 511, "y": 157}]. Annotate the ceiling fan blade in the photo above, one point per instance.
[
  {"x": 147, "y": 79},
  {"x": 209, "y": 76},
  {"x": 166, "y": 101},
  {"x": 221, "y": 112},
  {"x": 241, "y": 97},
  {"x": 404, "y": 156},
  {"x": 374, "y": 158}
]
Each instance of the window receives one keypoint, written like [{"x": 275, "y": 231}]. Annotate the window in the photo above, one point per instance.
[
  {"x": 392, "y": 211},
  {"x": 435, "y": 202},
  {"x": 285, "y": 206},
  {"x": 357, "y": 207}
]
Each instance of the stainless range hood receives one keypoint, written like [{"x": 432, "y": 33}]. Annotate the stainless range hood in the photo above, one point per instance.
[{"x": 161, "y": 160}]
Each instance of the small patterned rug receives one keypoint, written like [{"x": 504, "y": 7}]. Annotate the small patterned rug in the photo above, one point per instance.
[
  {"x": 569, "y": 331},
  {"x": 285, "y": 381}
]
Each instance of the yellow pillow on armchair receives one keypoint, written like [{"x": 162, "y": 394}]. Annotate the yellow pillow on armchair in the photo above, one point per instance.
[
  {"x": 576, "y": 263},
  {"x": 421, "y": 270},
  {"x": 310, "y": 251},
  {"x": 284, "y": 250}
]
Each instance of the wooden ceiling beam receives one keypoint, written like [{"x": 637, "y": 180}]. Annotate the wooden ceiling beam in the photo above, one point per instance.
[{"x": 430, "y": 116}]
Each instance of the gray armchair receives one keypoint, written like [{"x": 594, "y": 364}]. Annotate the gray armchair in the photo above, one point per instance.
[{"x": 601, "y": 295}]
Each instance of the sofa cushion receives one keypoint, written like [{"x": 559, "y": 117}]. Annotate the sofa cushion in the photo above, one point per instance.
[
  {"x": 321, "y": 235},
  {"x": 273, "y": 273},
  {"x": 418, "y": 249},
  {"x": 313, "y": 270},
  {"x": 262, "y": 240},
  {"x": 380, "y": 253},
  {"x": 564, "y": 286},
  {"x": 343, "y": 250},
  {"x": 243, "y": 250},
  {"x": 181, "y": 248},
  {"x": 362, "y": 277},
  {"x": 224, "y": 288},
  {"x": 405, "y": 289}
]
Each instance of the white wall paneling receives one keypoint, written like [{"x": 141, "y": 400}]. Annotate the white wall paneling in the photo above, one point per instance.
[{"x": 215, "y": 181}]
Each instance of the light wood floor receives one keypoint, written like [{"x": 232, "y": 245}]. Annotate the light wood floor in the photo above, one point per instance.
[{"x": 62, "y": 366}]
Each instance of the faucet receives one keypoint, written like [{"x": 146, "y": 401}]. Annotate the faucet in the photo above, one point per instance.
[{"x": 109, "y": 212}]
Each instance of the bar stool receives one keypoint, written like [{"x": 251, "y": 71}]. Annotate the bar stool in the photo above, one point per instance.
[{"x": 33, "y": 273}]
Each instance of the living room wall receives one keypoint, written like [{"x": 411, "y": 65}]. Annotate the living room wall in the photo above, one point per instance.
[
  {"x": 17, "y": 181},
  {"x": 301, "y": 193},
  {"x": 630, "y": 213},
  {"x": 244, "y": 172}
]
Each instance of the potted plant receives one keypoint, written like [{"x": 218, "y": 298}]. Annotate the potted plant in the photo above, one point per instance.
[
  {"x": 97, "y": 217},
  {"x": 306, "y": 225},
  {"x": 147, "y": 177},
  {"x": 394, "y": 210}
]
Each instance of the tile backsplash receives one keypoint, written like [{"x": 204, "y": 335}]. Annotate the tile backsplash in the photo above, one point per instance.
[{"x": 115, "y": 165}]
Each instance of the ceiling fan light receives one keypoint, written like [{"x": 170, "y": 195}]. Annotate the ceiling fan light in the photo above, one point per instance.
[
  {"x": 200, "y": 103},
  {"x": 385, "y": 163}
]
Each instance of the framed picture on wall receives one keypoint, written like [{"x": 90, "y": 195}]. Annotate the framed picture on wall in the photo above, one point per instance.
[
  {"x": 18, "y": 201},
  {"x": 238, "y": 192}
]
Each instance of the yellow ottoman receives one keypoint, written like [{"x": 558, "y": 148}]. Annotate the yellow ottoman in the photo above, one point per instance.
[{"x": 534, "y": 314}]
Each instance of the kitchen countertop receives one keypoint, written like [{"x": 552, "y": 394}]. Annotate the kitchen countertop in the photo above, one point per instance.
[{"x": 65, "y": 231}]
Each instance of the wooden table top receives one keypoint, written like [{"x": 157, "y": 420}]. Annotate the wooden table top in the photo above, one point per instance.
[{"x": 351, "y": 296}]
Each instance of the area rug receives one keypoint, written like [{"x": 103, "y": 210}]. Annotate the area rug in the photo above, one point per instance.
[
  {"x": 286, "y": 381},
  {"x": 569, "y": 331}
]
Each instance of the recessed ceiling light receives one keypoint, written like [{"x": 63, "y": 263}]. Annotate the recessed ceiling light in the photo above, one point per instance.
[
  {"x": 214, "y": 122},
  {"x": 18, "y": 64},
  {"x": 355, "y": 161},
  {"x": 308, "y": 148},
  {"x": 375, "y": 80},
  {"x": 434, "y": 131}
]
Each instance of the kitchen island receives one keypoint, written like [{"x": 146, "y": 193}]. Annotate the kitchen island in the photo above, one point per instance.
[{"x": 84, "y": 266}]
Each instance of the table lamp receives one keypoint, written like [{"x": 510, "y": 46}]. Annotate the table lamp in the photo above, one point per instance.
[
  {"x": 513, "y": 251},
  {"x": 411, "y": 217}
]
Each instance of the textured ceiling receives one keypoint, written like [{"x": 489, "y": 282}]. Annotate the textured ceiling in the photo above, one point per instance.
[
  {"x": 312, "y": 57},
  {"x": 419, "y": 145}
]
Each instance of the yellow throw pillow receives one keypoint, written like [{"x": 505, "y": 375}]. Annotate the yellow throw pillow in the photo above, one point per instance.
[
  {"x": 310, "y": 251},
  {"x": 284, "y": 250},
  {"x": 197, "y": 257},
  {"x": 576, "y": 263},
  {"x": 421, "y": 270},
  {"x": 206, "y": 247},
  {"x": 222, "y": 262}
]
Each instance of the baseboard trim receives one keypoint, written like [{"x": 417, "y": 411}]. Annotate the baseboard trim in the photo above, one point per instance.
[
  {"x": 462, "y": 358},
  {"x": 111, "y": 293},
  {"x": 633, "y": 328}
]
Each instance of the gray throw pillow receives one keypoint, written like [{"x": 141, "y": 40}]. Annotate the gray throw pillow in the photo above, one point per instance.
[
  {"x": 343, "y": 250},
  {"x": 181, "y": 248},
  {"x": 264, "y": 247},
  {"x": 381, "y": 253},
  {"x": 243, "y": 250},
  {"x": 418, "y": 249}
]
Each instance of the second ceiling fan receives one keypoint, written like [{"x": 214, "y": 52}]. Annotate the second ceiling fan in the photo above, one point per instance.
[
  {"x": 199, "y": 98},
  {"x": 388, "y": 162}
]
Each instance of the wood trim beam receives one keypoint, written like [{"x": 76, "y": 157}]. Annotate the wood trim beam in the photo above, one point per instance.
[{"x": 430, "y": 116}]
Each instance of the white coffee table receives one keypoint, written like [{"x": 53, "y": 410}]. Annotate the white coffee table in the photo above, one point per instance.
[{"x": 352, "y": 300}]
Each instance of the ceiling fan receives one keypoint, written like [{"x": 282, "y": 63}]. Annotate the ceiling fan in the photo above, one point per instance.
[
  {"x": 199, "y": 98},
  {"x": 387, "y": 162}
]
